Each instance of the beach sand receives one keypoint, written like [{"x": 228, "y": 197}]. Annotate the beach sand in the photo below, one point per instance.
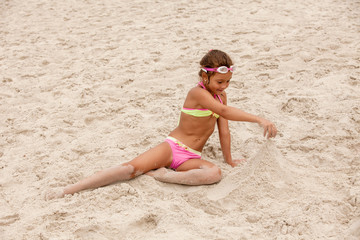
[{"x": 87, "y": 85}]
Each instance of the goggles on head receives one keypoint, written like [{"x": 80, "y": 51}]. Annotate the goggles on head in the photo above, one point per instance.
[{"x": 222, "y": 69}]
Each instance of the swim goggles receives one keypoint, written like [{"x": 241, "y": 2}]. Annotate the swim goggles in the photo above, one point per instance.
[{"x": 222, "y": 69}]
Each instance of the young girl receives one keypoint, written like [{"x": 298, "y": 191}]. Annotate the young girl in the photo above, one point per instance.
[{"x": 205, "y": 105}]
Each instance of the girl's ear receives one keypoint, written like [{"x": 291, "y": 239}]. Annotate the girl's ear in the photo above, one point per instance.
[{"x": 204, "y": 76}]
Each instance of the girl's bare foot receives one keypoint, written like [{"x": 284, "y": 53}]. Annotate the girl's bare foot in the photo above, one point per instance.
[{"x": 54, "y": 193}]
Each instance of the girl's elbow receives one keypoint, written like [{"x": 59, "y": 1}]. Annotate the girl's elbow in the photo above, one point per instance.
[{"x": 225, "y": 112}]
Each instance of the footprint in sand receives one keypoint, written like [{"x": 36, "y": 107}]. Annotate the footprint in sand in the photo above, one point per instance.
[{"x": 9, "y": 219}]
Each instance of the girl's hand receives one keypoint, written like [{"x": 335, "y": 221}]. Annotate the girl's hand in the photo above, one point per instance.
[
  {"x": 269, "y": 128},
  {"x": 234, "y": 163}
]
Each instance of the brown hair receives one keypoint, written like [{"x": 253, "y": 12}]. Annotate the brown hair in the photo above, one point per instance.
[{"x": 213, "y": 59}]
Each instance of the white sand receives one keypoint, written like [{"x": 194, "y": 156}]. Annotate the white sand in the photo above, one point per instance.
[{"x": 86, "y": 85}]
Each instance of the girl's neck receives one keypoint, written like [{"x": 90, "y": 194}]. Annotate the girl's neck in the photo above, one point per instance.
[{"x": 204, "y": 87}]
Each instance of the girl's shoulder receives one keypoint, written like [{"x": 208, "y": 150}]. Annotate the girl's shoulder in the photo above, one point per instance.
[
  {"x": 196, "y": 91},
  {"x": 199, "y": 93}
]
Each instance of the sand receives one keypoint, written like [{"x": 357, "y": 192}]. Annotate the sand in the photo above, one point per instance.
[{"x": 87, "y": 85}]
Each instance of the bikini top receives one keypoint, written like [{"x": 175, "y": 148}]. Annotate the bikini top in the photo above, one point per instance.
[{"x": 201, "y": 112}]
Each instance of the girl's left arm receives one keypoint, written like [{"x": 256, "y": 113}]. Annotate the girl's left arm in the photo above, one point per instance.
[
  {"x": 225, "y": 140},
  {"x": 225, "y": 136}
]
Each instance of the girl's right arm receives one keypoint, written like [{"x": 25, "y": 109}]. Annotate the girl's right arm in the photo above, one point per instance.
[
  {"x": 236, "y": 114},
  {"x": 232, "y": 113}
]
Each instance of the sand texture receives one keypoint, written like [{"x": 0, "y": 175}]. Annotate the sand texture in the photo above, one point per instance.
[{"x": 87, "y": 85}]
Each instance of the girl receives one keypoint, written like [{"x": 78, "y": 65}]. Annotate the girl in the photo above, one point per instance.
[{"x": 205, "y": 105}]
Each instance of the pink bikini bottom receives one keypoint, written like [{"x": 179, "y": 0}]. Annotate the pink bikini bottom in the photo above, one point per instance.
[{"x": 180, "y": 152}]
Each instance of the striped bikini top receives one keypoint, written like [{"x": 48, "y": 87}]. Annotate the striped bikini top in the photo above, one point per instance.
[{"x": 201, "y": 112}]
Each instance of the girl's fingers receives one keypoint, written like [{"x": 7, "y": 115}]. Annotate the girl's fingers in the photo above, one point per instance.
[
  {"x": 265, "y": 130},
  {"x": 273, "y": 131},
  {"x": 270, "y": 130}
]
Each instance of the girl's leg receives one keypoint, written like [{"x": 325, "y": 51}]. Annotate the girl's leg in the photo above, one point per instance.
[
  {"x": 154, "y": 158},
  {"x": 102, "y": 178},
  {"x": 191, "y": 172}
]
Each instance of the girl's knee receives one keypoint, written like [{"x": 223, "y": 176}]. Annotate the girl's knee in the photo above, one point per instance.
[
  {"x": 122, "y": 172},
  {"x": 217, "y": 174},
  {"x": 133, "y": 171},
  {"x": 213, "y": 175}
]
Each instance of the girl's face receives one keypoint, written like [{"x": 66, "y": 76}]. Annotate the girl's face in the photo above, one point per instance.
[{"x": 218, "y": 82}]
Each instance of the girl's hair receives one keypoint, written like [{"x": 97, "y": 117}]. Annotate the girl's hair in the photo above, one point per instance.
[{"x": 213, "y": 59}]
